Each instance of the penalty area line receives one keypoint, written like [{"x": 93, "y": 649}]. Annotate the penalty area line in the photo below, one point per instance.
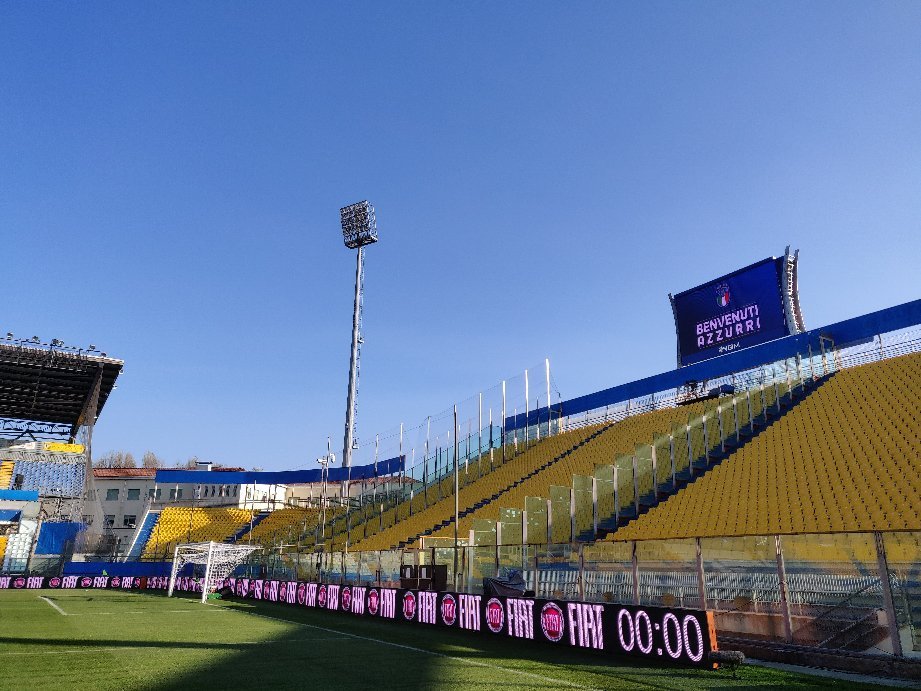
[
  {"x": 60, "y": 611},
  {"x": 463, "y": 660}
]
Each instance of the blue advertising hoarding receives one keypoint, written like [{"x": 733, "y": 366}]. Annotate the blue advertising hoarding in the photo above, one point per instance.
[{"x": 739, "y": 310}]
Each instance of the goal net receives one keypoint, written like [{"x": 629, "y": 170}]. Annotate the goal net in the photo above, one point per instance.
[{"x": 218, "y": 558}]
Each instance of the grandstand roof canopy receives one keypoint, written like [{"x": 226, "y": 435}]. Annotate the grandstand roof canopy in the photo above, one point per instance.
[{"x": 41, "y": 383}]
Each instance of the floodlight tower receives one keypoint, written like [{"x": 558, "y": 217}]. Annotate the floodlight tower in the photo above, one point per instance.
[{"x": 359, "y": 228}]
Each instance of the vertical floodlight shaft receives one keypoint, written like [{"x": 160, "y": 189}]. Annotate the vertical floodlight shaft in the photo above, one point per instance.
[
  {"x": 353, "y": 366},
  {"x": 456, "y": 499}
]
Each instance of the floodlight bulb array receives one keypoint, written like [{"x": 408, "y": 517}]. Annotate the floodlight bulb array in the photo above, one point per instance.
[{"x": 359, "y": 224}]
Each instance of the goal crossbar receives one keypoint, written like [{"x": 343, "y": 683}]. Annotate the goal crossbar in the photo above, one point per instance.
[{"x": 218, "y": 558}]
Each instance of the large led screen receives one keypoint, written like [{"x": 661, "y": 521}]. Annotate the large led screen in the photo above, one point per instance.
[{"x": 736, "y": 311}]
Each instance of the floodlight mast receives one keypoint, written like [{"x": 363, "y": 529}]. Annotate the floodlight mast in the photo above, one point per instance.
[{"x": 359, "y": 228}]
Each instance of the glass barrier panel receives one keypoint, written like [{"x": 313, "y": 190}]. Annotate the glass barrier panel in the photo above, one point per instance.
[
  {"x": 680, "y": 441},
  {"x": 351, "y": 566},
  {"x": 557, "y": 572},
  {"x": 713, "y": 426},
  {"x": 770, "y": 397},
  {"x": 604, "y": 488},
  {"x": 644, "y": 474},
  {"x": 726, "y": 426},
  {"x": 668, "y": 573},
  {"x": 608, "y": 572},
  {"x": 484, "y": 531},
  {"x": 559, "y": 514},
  {"x": 743, "y": 588},
  {"x": 511, "y": 526},
  {"x": 390, "y": 567},
  {"x": 698, "y": 443},
  {"x": 582, "y": 488},
  {"x": 367, "y": 567},
  {"x": 903, "y": 555},
  {"x": 662, "y": 444},
  {"x": 756, "y": 403},
  {"x": 536, "y": 508},
  {"x": 835, "y": 591},
  {"x": 625, "y": 488}
]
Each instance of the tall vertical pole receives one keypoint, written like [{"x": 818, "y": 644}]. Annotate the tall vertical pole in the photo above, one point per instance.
[
  {"x": 456, "y": 498},
  {"x": 348, "y": 439},
  {"x": 502, "y": 441},
  {"x": 479, "y": 438},
  {"x": 549, "y": 410},
  {"x": 377, "y": 446},
  {"x": 527, "y": 404}
]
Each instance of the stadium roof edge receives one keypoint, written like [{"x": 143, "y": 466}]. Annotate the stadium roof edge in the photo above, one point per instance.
[{"x": 53, "y": 385}]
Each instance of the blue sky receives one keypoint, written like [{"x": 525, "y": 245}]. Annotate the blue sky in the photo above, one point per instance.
[{"x": 544, "y": 174}]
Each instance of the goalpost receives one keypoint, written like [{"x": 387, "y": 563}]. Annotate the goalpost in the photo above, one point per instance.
[{"x": 220, "y": 559}]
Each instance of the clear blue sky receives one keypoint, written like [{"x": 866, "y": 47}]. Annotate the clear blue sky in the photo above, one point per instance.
[{"x": 544, "y": 174}]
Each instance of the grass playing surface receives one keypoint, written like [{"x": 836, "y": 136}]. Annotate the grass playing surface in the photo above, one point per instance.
[{"x": 116, "y": 640}]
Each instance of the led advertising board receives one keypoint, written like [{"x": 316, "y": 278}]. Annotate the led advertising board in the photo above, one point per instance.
[
  {"x": 669, "y": 634},
  {"x": 736, "y": 311}
]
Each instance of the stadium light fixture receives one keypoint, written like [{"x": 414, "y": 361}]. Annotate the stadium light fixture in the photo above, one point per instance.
[
  {"x": 359, "y": 228},
  {"x": 359, "y": 225}
]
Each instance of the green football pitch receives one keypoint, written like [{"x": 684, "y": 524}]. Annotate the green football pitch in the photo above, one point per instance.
[{"x": 116, "y": 640}]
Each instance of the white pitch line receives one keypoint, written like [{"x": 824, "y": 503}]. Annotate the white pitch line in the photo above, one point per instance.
[
  {"x": 148, "y": 647},
  {"x": 464, "y": 660},
  {"x": 61, "y": 611}
]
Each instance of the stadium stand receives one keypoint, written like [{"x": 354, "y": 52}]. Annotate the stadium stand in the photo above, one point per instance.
[
  {"x": 552, "y": 461},
  {"x": 6, "y": 474},
  {"x": 282, "y": 526},
  {"x": 615, "y": 440},
  {"x": 177, "y": 524},
  {"x": 143, "y": 534},
  {"x": 848, "y": 458}
]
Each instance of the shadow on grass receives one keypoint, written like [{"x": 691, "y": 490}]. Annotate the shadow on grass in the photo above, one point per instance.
[{"x": 379, "y": 654}]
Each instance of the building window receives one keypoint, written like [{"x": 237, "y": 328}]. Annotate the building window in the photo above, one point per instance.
[
  {"x": 236, "y": 490},
  {"x": 175, "y": 494},
  {"x": 151, "y": 494},
  {"x": 111, "y": 495},
  {"x": 134, "y": 494},
  {"x": 130, "y": 521},
  {"x": 110, "y": 520}
]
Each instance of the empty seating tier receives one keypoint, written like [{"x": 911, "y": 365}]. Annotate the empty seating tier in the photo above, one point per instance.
[
  {"x": 847, "y": 458},
  {"x": 283, "y": 526},
  {"x": 178, "y": 524}
]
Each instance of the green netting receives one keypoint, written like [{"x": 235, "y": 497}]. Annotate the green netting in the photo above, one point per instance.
[
  {"x": 536, "y": 508},
  {"x": 582, "y": 488},
  {"x": 559, "y": 514}
]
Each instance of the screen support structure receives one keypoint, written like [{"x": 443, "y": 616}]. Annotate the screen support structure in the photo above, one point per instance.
[{"x": 218, "y": 558}]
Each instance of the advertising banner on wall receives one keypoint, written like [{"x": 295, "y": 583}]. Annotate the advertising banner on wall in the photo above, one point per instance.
[
  {"x": 681, "y": 636},
  {"x": 735, "y": 311}
]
